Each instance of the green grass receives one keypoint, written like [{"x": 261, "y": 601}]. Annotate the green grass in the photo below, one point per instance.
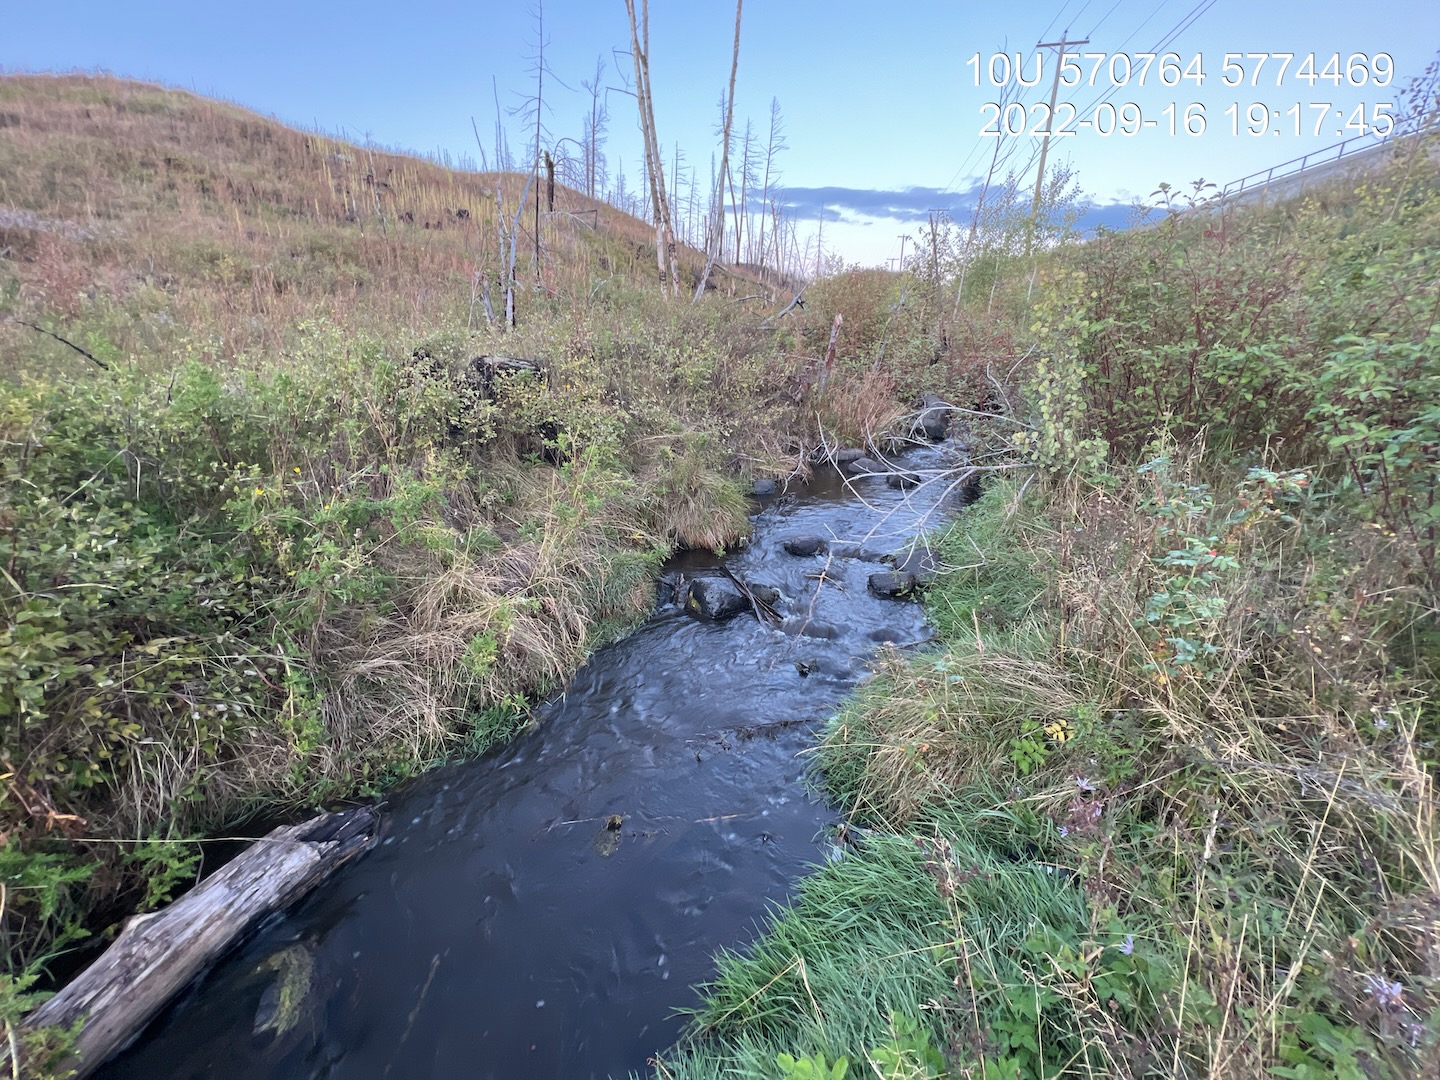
[{"x": 1070, "y": 855}]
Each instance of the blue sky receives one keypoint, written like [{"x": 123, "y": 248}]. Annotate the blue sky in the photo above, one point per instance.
[{"x": 881, "y": 112}]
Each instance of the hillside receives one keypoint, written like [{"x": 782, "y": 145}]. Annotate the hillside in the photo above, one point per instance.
[{"x": 161, "y": 199}]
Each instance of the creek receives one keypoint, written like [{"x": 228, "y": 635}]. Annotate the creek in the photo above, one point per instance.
[{"x": 544, "y": 911}]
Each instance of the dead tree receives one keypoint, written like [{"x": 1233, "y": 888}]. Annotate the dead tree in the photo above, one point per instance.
[
  {"x": 665, "y": 255},
  {"x": 717, "y": 218},
  {"x": 747, "y": 177},
  {"x": 773, "y": 146},
  {"x": 595, "y": 130}
]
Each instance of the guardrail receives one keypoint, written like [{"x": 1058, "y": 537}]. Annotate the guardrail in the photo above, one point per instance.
[{"x": 1356, "y": 144}]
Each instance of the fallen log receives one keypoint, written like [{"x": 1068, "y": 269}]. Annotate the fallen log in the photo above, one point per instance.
[{"x": 156, "y": 955}]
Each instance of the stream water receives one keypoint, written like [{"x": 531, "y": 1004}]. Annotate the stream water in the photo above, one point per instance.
[{"x": 504, "y": 926}]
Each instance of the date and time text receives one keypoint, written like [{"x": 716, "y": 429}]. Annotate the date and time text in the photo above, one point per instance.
[{"x": 1286, "y": 88}]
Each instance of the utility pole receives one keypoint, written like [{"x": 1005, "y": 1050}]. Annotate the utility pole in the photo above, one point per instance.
[
  {"x": 934, "y": 272},
  {"x": 902, "y": 252},
  {"x": 1045, "y": 145}
]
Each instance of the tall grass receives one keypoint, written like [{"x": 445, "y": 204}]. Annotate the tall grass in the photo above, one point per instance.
[{"x": 1072, "y": 856}]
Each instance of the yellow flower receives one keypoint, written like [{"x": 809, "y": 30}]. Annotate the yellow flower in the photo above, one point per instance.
[
  {"x": 259, "y": 491},
  {"x": 297, "y": 470}
]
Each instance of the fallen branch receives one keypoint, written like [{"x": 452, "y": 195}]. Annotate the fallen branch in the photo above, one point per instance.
[
  {"x": 763, "y": 611},
  {"x": 157, "y": 955},
  {"x": 50, "y": 333}
]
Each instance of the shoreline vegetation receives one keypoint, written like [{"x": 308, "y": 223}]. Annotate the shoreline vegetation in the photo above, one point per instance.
[{"x": 1159, "y": 803}]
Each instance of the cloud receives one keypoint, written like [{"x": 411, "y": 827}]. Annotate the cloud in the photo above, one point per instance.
[
  {"x": 864, "y": 206},
  {"x": 854, "y": 204}
]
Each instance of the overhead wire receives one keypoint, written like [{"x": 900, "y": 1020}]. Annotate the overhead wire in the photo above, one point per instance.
[
  {"x": 1056, "y": 18},
  {"x": 1181, "y": 25},
  {"x": 1201, "y": 8},
  {"x": 1107, "y": 15}
]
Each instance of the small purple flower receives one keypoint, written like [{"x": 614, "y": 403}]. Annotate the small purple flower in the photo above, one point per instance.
[
  {"x": 1128, "y": 946},
  {"x": 1084, "y": 784},
  {"x": 1389, "y": 995},
  {"x": 1064, "y": 831}
]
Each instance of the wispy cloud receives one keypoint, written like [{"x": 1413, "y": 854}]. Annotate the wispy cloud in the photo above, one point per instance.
[
  {"x": 914, "y": 204},
  {"x": 904, "y": 204}
]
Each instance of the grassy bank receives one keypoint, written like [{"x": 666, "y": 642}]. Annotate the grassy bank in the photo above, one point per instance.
[{"x": 1162, "y": 800}]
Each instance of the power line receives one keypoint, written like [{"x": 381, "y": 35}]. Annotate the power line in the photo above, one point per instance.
[
  {"x": 1107, "y": 15},
  {"x": 1056, "y": 17},
  {"x": 1080, "y": 12},
  {"x": 1180, "y": 30},
  {"x": 1142, "y": 26},
  {"x": 1184, "y": 23}
]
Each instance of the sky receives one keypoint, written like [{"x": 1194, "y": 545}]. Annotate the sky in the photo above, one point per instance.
[{"x": 883, "y": 105}]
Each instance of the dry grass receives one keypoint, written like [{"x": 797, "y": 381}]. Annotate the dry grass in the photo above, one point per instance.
[{"x": 147, "y": 199}]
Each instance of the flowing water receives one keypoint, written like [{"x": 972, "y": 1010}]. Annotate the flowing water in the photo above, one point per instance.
[{"x": 544, "y": 912}]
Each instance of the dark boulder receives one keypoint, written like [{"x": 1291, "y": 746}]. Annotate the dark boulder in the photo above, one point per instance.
[
  {"x": 859, "y": 552},
  {"x": 765, "y": 486},
  {"x": 862, "y": 465},
  {"x": 847, "y": 455},
  {"x": 766, "y": 594},
  {"x": 934, "y": 418},
  {"x": 713, "y": 600},
  {"x": 488, "y": 373},
  {"x": 919, "y": 564},
  {"x": 969, "y": 490},
  {"x": 805, "y": 545},
  {"x": 892, "y": 586},
  {"x": 903, "y": 480}
]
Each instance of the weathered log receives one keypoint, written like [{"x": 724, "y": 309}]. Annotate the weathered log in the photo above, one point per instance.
[
  {"x": 485, "y": 373},
  {"x": 157, "y": 955}
]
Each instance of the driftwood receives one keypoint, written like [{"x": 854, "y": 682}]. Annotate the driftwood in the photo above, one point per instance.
[
  {"x": 157, "y": 955},
  {"x": 763, "y": 611}
]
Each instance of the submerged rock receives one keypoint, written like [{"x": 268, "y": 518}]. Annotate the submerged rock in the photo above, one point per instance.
[
  {"x": 862, "y": 465},
  {"x": 918, "y": 563},
  {"x": 804, "y": 545},
  {"x": 903, "y": 480},
  {"x": 766, "y": 594},
  {"x": 849, "y": 454},
  {"x": 892, "y": 586},
  {"x": 288, "y": 998},
  {"x": 607, "y": 840},
  {"x": 934, "y": 418},
  {"x": 764, "y": 486},
  {"x": 713, "y": 600}
]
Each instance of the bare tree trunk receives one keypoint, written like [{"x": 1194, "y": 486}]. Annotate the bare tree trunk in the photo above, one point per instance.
[
  {"x": 747, "y": 169},
  {"x": 773, "y": 146},
  {"x": 829, "y": 365},
  {"x": 157, "y": 955},
  {"x": 596, "y": 127},
  {"x": 665, "y": 255},
  {"x": 539, "y": 111},
  {"x": 712, "y": 247}
]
